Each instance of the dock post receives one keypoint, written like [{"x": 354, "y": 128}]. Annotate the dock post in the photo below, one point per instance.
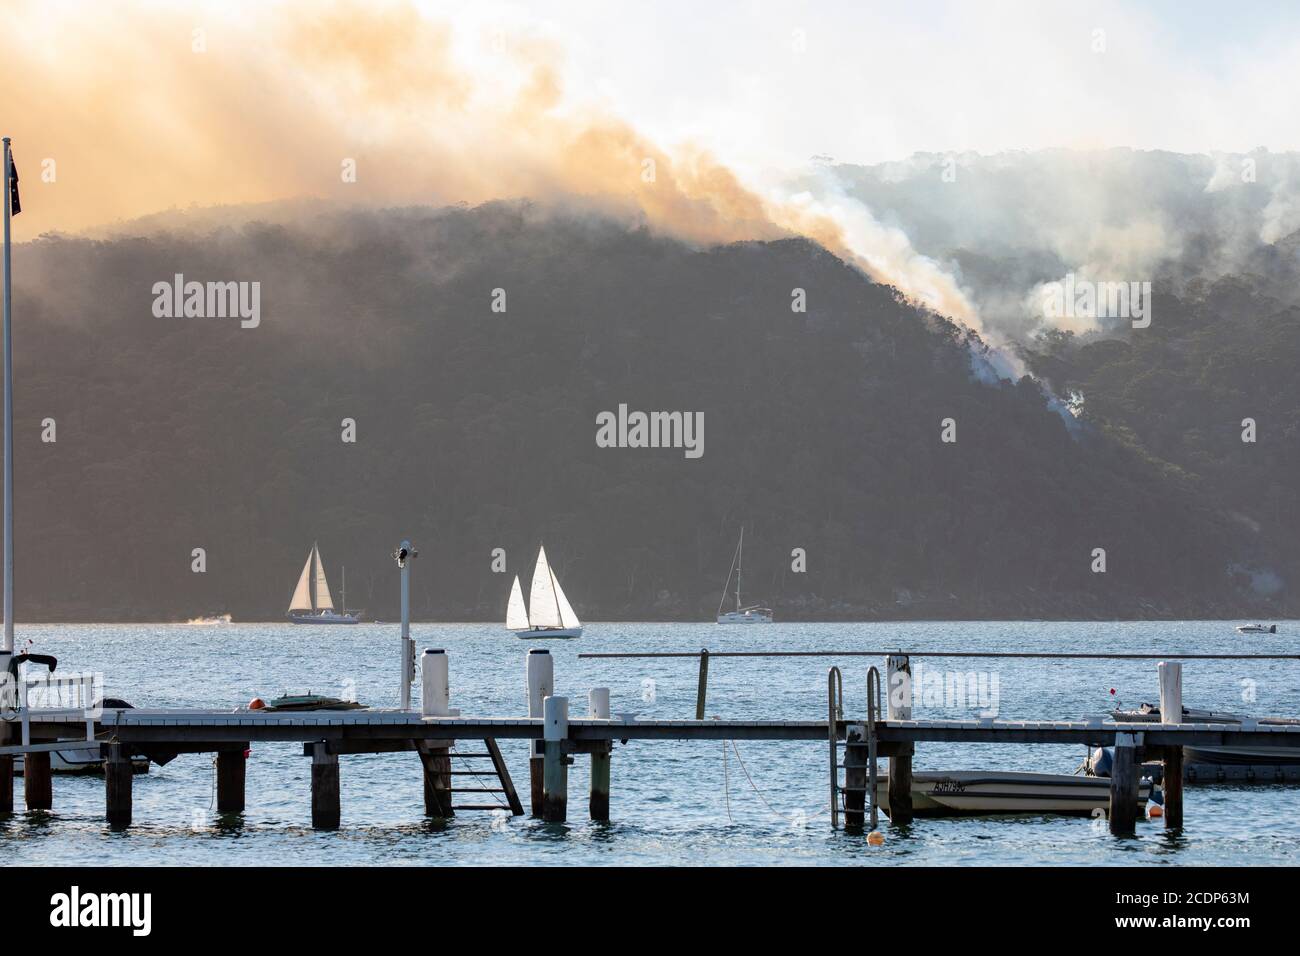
[
  {"x": 899, "y": 686},
  {"x": 117, "y": 786},
  {"x": 541, "y": 683},
  {"x": 555, "y": 772},
  {"x": 702, "y": 689},
  {"x": 437, "y": 781},
  {"x": 38, "y": 785},
  {"x": 855, "y": 776},
  {"x": 1124, "y": 779},
  {"x": 599, "y": 805},
  {"x": 325, "y": 813},
  {"x": 1171, "y": 712},
  {"x": 7, "y": 760},
  {"x": 231, "y": 765}
]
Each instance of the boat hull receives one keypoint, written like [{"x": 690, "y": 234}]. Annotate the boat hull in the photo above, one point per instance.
[
  {"x": 551, "y": 633},
  {"x": 80, "y": 762},
  {"x": 745, "y": 617},
  {"x": 984, "y": 792},
  {"x": 324, "y": 619}
]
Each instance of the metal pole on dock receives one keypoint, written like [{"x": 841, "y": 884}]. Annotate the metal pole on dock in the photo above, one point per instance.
[
  {"x": 1171, "y": 712},
  {"x": 404, "y": 555},
  {"x": 540, "y": 668},
  {"x": 8, "y": 644},
  {"x": 555, "y": 779},
  {"x": 599, "y": 804},
  {"x": 899, "y": 687}
]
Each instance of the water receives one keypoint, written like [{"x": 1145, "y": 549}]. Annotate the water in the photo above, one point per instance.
[{"x": 671, "y": 802}]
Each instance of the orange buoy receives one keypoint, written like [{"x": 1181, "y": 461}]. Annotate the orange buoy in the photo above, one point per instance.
[
  {"x": 257, "y": 704},
  {"x": 875, "y": 838},
  {"x": 1154, "y": 810}
]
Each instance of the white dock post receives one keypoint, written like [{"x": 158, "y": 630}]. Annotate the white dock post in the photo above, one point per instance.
[
  {"x": 1171, "y": 712},
  {"x": 404, "y": 555},
  {"x": 435, "y": 700},
  {"x": 599, "y": 803},
  {"x": 555, "y": 780},
  {"x": 540, "y": 668},
  {"x": 898, "y": 687}
]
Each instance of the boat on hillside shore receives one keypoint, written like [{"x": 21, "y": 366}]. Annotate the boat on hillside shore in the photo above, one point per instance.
[
  {"x": 548, "y": 614},
  {"x": 311, "y": 602},
  {"x": 741, "y": 615}
]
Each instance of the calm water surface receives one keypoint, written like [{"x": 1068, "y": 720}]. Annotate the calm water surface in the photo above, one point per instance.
[{"x": 671, "y": 803}]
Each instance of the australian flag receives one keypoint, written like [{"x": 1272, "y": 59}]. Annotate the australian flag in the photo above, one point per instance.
[{"x": 15, "y": 207}]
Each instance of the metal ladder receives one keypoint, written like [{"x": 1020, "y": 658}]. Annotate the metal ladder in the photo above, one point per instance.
[
  {"x": 835, "y": 715},
  {"x": 499, "y": 770}
]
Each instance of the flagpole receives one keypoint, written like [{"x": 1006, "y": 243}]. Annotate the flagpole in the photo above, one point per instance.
[{"x": 8, "y": 644}]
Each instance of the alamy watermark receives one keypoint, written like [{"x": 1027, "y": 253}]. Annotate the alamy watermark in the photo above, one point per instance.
[
  {"x": 624, "y": 429},
  {"x": 1075, "y": 298},
  {"x": 179, "y": 299}
]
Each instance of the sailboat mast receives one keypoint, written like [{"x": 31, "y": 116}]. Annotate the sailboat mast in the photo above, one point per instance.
[
  {"x": 740, "y": 556},
  {"x": 343, "y": 587},
  {"x": 315, "y": 571}
]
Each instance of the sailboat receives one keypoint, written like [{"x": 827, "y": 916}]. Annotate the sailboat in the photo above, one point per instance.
[
  {"x": 549, "y": 614},
  {"x": 311, "y": 602},
  {"x": 741, "y": 615}
]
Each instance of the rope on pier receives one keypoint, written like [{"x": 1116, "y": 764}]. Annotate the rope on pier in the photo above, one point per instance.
[{"x": 784, "y": 818}]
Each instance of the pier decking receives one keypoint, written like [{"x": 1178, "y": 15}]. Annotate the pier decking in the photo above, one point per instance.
[{"x": 119, "y": 734}]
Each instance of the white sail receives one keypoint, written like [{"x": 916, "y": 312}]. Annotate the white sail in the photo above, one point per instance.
[
  {"x": 567, "y": 617},
  {"x": 301, "y": 600},
  {"x": 516, "y": 613},
  {"x": 543, "y": 607},
  {"x": 323, "y": 600}
]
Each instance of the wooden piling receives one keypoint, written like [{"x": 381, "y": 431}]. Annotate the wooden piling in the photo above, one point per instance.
[
  {"x": 855, "y": 776},
  {"x": 555, "y": 771},
  {"x": 599, "y": 803},
  {"x": 437, "y": 781},
  {"x": 6, "y": 766},
  {"x": 325, "y": 813},
  {"x": 1171, "y": 712},
  {"x": 231, "y": 765},
  {"x": 118, "y": 775},
  {"x": 1124, "y": 781},
  {"x": 38, "y": 784},
  {"x": 702, "y": 688},
  {"x": 899, "y": 689}
]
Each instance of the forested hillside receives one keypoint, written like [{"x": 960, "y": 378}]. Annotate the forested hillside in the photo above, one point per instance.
[{"x": 476, "y": 430}]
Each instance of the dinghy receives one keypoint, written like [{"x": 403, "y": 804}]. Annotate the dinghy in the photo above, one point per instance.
[{"x": 548, "y": 614}]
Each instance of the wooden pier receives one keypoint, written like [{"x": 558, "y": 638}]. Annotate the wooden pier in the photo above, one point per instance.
[{"x": 558, "y": 738}]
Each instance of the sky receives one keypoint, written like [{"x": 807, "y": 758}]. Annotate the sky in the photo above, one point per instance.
[{"x": 690, "y": 117}]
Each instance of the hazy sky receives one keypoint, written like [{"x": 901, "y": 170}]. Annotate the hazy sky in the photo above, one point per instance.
[{"x": 450, "y": 101}]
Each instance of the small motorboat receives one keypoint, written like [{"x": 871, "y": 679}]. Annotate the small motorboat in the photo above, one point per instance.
[
  {"x": 1257, "y": 629},
  {"x": 980, "y": 792},
  {"x": 85, "y": 762},
  {"x": 310, "y": 701}
]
